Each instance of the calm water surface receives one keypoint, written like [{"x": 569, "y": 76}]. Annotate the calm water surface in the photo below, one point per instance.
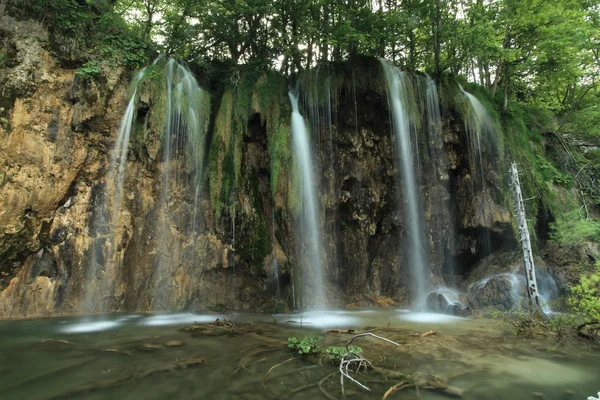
[{"x": 131, "y": 357}]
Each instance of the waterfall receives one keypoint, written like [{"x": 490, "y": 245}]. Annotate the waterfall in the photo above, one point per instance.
[
  {"x": 398, "y": 87},
  {"x": 183, "y": 142},
  {"x": 119, "y": 153},
  {"x": 479, "y": 127},
  {"x": 434, "y": 117},
  {"x": 311, "y": 237},
  {"x": 104, "y": 229},
  {"x": 478, "y": 124}
]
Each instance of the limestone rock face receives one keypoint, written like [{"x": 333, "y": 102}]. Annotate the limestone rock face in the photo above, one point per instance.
[{"x": 57, "y": 254}]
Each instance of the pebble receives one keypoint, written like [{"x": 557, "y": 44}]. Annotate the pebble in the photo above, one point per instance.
[
  {"x": 538, "y": 395},
  {"x": 174, "y": 343}
]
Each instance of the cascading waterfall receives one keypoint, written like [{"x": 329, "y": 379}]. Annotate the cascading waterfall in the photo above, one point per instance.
[
  {"x": 398, "y": 87},
  {"x": 479, "y": 124},
  {"x": 311, "y": 237},
  {"x": 183, "y": 140},
  {"x": 434, "y": 116},
  {"x": 320, "y": 98},
  {"x": 480, "y": 127},
  {"x": 104, "y": 233},
  {"x": 119, "y": 153}
]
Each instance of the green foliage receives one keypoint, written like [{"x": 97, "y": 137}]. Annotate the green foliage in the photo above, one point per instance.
[
  {"x": 89, "y": 29},
  {"x": 89, "y": 71},
  {"x": 306, "y": 345},
  {"x": 560, "y": 327},
  {"x": 336, "y": 353},
  {"x": 585, "y": 296},
  {"x": 249, "y": 91},
  {"x": 573, "y": 227}
]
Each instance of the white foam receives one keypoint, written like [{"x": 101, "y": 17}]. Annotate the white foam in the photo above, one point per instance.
[
  {"x": 129, "y": 317},
  {"x": 177, "y": 319},
  {"x": 429, "y": 318},
  {"x": 86, "y": 327},
  {"x": 323, "y": 319}
]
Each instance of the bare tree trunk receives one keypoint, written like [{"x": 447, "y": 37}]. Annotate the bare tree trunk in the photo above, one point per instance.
[{"x": 532, "y": 291}]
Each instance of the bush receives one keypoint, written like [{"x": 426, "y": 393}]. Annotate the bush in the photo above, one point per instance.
[
  {"x": 585, "y": 296},
  {"x": 560, "y": 327},
  {"x": 573, "y": 228},
  {"x": 89, "y": 71},
  {"x": 80, "y": 30},
  {"x": 307, "y": 345}
]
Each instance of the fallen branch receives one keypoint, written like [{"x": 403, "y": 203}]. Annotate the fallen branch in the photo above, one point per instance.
[
  {"x": 397, "y": 386},
  {"x": 322, "y": 389},
  {"x": 429, "y": 333},
  {"x": 272, "y": 368},
  {"x": 350, "y": 331},
  {"x": 357, "y": 362},
  {"x": 50, "y": 340}
]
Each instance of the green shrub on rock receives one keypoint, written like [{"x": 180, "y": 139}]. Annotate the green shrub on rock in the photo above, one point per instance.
[{"x": 585, "y": 296}]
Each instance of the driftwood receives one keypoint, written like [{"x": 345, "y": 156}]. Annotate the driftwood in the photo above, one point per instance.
[
  {"x": 429, "y": 333},
  {"x": 352, "y": 360},
  {"x": 272, "y": 368}
]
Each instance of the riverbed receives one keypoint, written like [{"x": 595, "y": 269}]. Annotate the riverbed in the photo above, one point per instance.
[{"x": 245, "y": 356}]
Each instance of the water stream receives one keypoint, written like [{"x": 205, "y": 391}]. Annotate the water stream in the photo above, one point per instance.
[
  {"x": 480, "y": 127},
  {"x": 104, "y": 228},
  {"x": 397, "y": 88},
  {"x": 314, "y": 289},
  {"x": 183, "y": 142},
  {"x": 134, "y": 356}
]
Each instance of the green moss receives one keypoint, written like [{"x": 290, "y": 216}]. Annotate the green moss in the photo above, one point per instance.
[{"x": 249, "y": 91}]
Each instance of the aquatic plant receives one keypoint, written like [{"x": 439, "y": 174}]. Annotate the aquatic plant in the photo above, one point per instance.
[
  {"x": 336, "y": 353},
  {"x": 306, "y": 345}
]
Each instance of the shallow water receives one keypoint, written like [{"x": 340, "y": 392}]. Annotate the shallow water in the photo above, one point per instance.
[{"x": 104, "y": 358}]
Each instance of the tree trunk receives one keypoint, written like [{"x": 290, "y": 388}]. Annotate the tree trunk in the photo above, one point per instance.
[
  {"x": 535, "y": 305},
  {"x": 324, "y": 48},
  {"x": 488, "y": 80}
]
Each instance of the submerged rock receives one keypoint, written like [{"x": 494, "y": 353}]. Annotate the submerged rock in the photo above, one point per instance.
[
  {"x": 448, "y": 302},
  {"x": 148, "y": 347}
]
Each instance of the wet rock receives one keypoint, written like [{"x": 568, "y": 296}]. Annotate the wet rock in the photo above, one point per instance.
[
  {"x": 447, "y": 302},
  {"x": 174, "y": 343},
  {"x": 496, "y": 292},
  {"x": 148, "y": 347}
]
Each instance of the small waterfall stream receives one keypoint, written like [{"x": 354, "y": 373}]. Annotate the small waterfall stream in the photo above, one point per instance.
[
  {"x": 311, "y": 237},
  {"x": 105, "y": 262},
  {"x": 479, "y": 126},
  {"x": 397, "y": 86},
  {"x": 182, "y": 155}
]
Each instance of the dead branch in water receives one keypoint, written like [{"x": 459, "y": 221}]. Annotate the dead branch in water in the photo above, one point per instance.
[
  {"x": 272, "y": 368},
  {"x": 357, "y": 362},
  {"x": 397, "y": 386}
]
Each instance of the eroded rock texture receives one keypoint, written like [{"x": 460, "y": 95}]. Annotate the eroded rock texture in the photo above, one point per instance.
[{"x": 56, "y": 256}]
